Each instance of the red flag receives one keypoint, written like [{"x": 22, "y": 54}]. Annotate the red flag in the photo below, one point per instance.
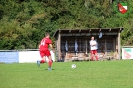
[{"x": 121, "y": 8}]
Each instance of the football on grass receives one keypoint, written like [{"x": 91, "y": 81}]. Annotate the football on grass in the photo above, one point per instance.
[{"x": 73, "y": 66}]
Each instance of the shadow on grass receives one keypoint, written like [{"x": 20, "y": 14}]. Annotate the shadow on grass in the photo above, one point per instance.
[{"x": 51, "y": 69}]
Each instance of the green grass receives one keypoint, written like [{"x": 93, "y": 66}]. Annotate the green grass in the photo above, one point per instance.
[{"x": 93, "y": 74}]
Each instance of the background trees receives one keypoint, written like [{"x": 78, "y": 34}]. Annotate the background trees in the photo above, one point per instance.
[{"x": 24, "y": 22}]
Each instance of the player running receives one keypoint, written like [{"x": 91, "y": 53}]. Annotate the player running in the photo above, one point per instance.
[
  {"x": 93, "y": 48},
  {"x": 44, "y": 51}
]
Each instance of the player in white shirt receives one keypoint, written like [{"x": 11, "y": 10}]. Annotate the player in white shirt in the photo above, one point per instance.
[{"x": 93, "y": 48}]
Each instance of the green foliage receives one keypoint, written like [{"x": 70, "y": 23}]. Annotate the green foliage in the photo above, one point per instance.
[
  {"x": 24, "y": 22},
  {"x": 127, "y": 34}
]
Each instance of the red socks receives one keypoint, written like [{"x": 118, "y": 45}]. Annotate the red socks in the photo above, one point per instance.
[
  {"x": 97, "y": 58},
  {"x": 50, "y": 63},
  {"x": 92, "y": 58},
  {"x": 42, "y": 61}
]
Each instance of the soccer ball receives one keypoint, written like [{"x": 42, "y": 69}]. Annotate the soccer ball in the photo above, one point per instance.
[{"x": 73, "y": 66}]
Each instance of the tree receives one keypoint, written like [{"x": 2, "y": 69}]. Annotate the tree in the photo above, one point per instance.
[{"x": 23, "y": 23}]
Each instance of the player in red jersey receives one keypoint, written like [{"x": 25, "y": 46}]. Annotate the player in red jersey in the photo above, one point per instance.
[{"x": 44, "y": 51}]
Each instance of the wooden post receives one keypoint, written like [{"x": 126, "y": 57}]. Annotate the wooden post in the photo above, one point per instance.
[
  {"x": 119, "y": 46},
  {"x": 114, "y": 49},
  {"x": 105, "y": 47},
  {"x": 59, "y": 46},
  {"x": 86, "y": 46},
  {"x": 56, "y": 48}
]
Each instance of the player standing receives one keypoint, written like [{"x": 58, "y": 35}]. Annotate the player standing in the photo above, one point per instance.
[
  {"x": 93, "y": 49},
  {"x": 44, "y": 51}
]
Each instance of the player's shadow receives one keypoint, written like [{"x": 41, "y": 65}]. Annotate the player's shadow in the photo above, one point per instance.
[{"x": 51, "y": 69}]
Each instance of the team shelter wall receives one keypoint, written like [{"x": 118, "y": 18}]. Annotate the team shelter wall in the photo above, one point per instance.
[{"x": 108, "y": 45}]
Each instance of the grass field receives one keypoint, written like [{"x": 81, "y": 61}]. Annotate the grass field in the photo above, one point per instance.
[{"x": 91, "y": 74}]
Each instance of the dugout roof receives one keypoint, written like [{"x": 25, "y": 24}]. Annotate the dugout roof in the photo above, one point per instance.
[{"x": 85, "y": 32}]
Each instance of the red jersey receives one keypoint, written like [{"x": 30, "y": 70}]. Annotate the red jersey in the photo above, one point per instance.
[{"x": 45, "y": 43}]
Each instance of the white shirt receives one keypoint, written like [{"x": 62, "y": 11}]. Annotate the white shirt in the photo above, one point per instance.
[{"x": 93, "y": 47}]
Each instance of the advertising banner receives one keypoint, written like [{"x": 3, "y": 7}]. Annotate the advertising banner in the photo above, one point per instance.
[
  {"x": 31, "y": 56},
  {"x": 9, "y": 57},
  {"x": 127, "y": 53}
]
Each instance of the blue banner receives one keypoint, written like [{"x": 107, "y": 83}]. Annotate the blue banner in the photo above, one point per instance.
[{"x": 9, "y": 57}]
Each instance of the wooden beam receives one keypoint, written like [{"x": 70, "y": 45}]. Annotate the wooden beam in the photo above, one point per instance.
[
  {"x": 90, "y": 30},
  {"x": 86, "y": 46},
  {"x": 59, "y": 46},
  {"x": 105, "y": 48},
  {"x": 59, "y": 31},
  {"x": 69, "y": 31},
  {"x": 55, "y": 49},
  {"x": 120, "y": 29},
  {"x": 110, "y": 29},
  {"x": 100, "y": 30},
  {"x": 114, "y": 44},
  {"x": 119, "y": 46},
  {"x": 79, "y": 30}
]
